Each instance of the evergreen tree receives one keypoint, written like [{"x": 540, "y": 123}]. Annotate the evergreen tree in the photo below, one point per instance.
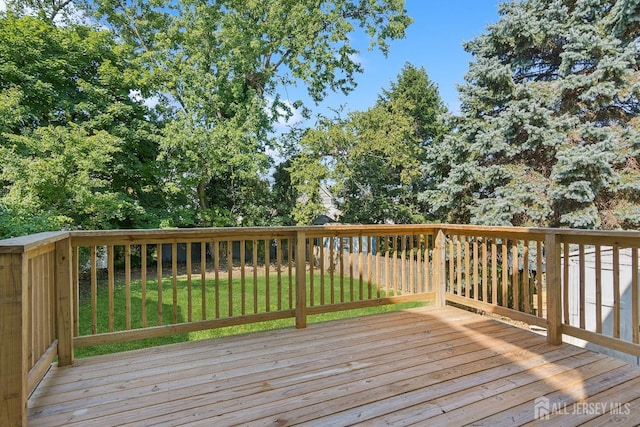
[{"x": 549, "y": 133}]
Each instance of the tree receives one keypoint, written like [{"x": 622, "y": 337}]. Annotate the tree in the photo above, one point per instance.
[
  {"x": 373, "y": 160},
  {"x": 284, "y": 195},
  {"x": 549, "y": 129},
  {"x": 219, "y": 67},
  {"x": 76, "y": 149}
]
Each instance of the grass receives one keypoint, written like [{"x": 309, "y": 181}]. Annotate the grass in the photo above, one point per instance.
[{"x": 274, "y": 293}]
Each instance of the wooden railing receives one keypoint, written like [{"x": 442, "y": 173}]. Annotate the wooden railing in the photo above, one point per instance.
[
  {"x": 33, "y": 271},
  {"x": 61, "y": 291},
  {"x": 498, "y": 269},
  {"x": 600, "y": 294},
  {"x": 234, "y": 276}
]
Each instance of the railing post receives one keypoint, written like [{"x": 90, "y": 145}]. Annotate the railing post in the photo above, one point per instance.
[
  {"x": 14, "y": 319},
  {"x": 301, "y": 280},
  {"x": 64, "y": 302},
  {"x": 554, "y": 289},
  {"x": 439, "y": 268}
]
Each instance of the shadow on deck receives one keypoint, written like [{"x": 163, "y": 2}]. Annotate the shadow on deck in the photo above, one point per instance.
[{"x": 435, "y": 366}]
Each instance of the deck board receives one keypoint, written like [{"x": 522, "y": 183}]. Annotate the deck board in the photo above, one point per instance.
[{"x": 443, "y": 366}]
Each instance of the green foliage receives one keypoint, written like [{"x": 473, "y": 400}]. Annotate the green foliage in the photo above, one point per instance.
[
  {"x": 372, "y": 160},
  {"x": 76, "y": 149},
  {"x": 284, "y": 195},
  {"x": 549, "y": 129},
  {"x": 218, "y": 67},
  {"x": 214, "y": 69},
  {"x": 57, "y": 172}
]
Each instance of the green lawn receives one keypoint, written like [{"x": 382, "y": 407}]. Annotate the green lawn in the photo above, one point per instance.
[{"x": 277, "y": 295}]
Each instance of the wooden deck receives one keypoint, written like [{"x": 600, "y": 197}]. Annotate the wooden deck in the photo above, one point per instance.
[{"x": 430, "y": 366}]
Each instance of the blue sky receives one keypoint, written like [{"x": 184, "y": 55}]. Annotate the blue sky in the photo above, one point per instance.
[{"x": 433, "y": 41}]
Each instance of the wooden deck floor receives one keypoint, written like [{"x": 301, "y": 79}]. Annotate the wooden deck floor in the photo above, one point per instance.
[{"x": 430, "y": 366}]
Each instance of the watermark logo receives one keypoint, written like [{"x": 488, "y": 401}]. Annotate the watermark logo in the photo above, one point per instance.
[{"x": 543, "y": 408}]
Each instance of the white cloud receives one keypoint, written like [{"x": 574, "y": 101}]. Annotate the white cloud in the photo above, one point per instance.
[
  {"x": 357, "y": 58},
  {"x": 284, "y": 121},
  {"x": 296, "y": 116},
  {"x": 136, "y": 96},
  {"x": 70, "y": 14}
]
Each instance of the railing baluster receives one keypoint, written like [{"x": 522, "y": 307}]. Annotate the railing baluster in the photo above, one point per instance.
[
  {"x": 243, "y": 285},
  {"x": 505, "y": 273},
  {"x": 379, "y": 250},
  {"x": 515, "y": 282},
  {"x": 565, "y": 283},
  {"x": 452, "y": 281},
  {"x": 539, "y": 279},
  {"x": 351, "y": 288},
  {"x": 494, "y": 271},
  {"x": 127, "y": 286},
  {"x": 426, "y": 260},
  {"x": 311, "y": 272},
  {"x": 467, "y": 267},
  {"x": 34, "y": 272},
  {"x": 94, "y": 291},
  {"x": 616, "y": 291},
  {"x": 485, "y": 270},
  {"x": 476, "y": 269},
  {"x": 526, "y": 288},
  {"x": 216, "y": 285},
  {"x": 341, "y": 261},
  {"x": 403, "y": 263},
  {"x": 279, "y": 271},
  {"x": 396, "y": 269},
  {"x": 581, "y": 268},
  {"x": 174, "y": 281},
  {"x": 203, "y": 279},
  {"x": 110, "y": 285},
  {"x": 598, "y": 289},
  {"x": 459, "y": 266},
  {"x": 290, "y": 243},
  {"x": 387, "y": 265},
  {"x": 230, "y": 278},
  {"x": 635, "y": 296},
  {"x": 322, "y": 272},
  {"x": 332, "y": 269},
  {"x": 267, "y": 274},
  {"x": 143, "y": 284},
  {"x": 76, "y": 290},
  {"x": 418, "y": 263},
  {"x": 360, "y": 270},
  {"x": 370, "y": 266},
  {"x": 189, "y": 291},
  {"x": 255, "y": 276},
  {"x": 159, "y": 281}
]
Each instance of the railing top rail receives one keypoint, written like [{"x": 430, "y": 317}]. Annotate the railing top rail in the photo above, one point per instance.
[
  {"x": 253, "y": 230},
  {"x": 369, "y": 229},
  {"x": 566, "y": 234},
  {"x": 31, "y": 242},
  {"x": 184, "y": 231},
  {"x": 198, "y": 234}
]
